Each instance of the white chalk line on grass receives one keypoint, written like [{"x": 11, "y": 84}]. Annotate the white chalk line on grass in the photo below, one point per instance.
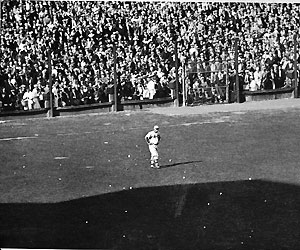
[
  {"x": 12, "y": 123},
  {"x": 90, "y": 132},
  {"x": 60, "y": 158},
  {"x": 199, "y": 123},
  {"x": 18, "y": 138},
  {"x": 168, "y": 125},
  {"x": 75, "y": 133}
]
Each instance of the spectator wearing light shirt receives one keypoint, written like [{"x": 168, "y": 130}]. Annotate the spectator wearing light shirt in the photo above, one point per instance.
[
  {"x": 27, "y": 100},
  {"x": 151, "y": 87},
  {"x": 258, "y": 77},
  {"x": 35, "y": 98},
  {"x": 252, "y": 83}
]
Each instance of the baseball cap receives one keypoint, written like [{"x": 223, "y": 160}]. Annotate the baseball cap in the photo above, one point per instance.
[{"x": 156, "y": 127}]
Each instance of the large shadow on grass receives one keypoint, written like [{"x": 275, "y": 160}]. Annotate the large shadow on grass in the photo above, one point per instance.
[{"x": 226, "y": 215}]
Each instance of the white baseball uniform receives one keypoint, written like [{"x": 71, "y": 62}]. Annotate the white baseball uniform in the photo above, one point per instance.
[{"x": 152, "y": 138}]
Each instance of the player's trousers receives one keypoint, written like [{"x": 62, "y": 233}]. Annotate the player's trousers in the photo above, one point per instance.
[{"x": 153, "y": 152}]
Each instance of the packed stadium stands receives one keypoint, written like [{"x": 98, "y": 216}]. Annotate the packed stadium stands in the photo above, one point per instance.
[{"x": 80, "y": 36}]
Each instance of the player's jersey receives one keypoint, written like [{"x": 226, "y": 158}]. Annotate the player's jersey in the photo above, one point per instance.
[{"x": 153, "y": 137}]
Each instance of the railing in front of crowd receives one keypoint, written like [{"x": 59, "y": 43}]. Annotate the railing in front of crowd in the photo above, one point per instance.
[
  {"x": 207, "y": 82},
  {"x": 202, "y": 83}
]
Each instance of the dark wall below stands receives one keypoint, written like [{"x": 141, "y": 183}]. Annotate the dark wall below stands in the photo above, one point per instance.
[
  {"x": 271, "y": 94},
  {"x": 138, "y": 105},
  {"x": 88, "y": 109}
]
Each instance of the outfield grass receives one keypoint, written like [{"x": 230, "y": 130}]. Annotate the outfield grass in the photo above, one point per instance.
[{"x": 229, "y": 179}]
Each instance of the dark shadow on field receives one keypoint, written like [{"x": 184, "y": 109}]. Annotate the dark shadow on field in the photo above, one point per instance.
[
  {"x": 178, "y": 163},
  {"x": 225, "y": 215}
]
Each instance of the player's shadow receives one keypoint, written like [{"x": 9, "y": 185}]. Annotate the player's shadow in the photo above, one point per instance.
[{"x": 178, "y": 163}]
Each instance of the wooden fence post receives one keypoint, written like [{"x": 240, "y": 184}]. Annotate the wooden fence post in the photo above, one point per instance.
[
  {"x": 295, "y": 66},
  {"x": 236, "y": 63}
]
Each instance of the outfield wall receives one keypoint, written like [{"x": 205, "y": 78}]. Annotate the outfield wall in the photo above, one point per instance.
[
  {"x": 271, "y": 94},
  {"x": 131, "y": 105},
  {"x": 91, "y": 108}
]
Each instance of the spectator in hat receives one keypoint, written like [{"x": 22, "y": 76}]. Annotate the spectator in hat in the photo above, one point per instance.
[
  {"x": 27, "y": 100},
  {"x": 35, "y": 97}
]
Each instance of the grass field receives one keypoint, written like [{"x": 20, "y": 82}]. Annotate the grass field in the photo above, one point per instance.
[{"x": 229, "y": 179}]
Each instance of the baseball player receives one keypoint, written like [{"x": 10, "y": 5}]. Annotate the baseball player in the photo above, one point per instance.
[{"x": 152, "y": 138}]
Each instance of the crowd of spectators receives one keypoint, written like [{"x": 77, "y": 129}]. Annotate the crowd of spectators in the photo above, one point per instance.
[{"x": 81, "y": 35}]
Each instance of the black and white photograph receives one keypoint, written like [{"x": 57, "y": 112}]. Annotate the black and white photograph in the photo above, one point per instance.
[{"x": 149, "y": 125}]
